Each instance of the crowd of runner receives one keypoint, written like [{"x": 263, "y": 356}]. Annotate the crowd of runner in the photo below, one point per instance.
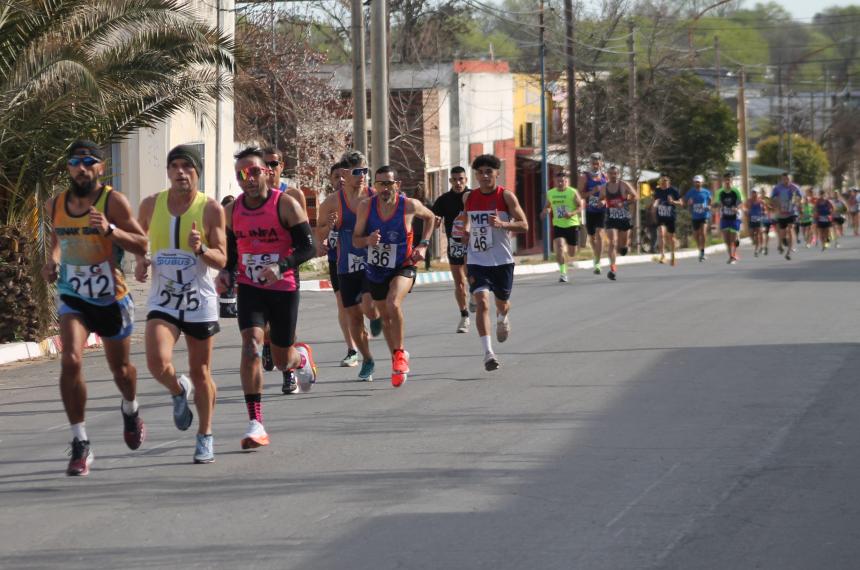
[{"x": 199, "y": 255}]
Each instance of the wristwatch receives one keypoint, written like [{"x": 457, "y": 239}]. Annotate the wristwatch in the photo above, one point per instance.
[
  {"x": 424, "y": 242},
  {"x": 111, "y": 228},
  {"x": 203, "y": 250}
]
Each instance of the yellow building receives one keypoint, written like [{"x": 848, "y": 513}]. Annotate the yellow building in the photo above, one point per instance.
[{"x": 527, "y": 123}]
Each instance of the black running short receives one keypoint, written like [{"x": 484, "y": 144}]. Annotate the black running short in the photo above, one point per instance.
[
  {"x": 594, "y": 220},
  {"x": 622, "y": 224},
  {"x": 332, "y": 275},
  {"x": 200, "y": 331},
  {"x": 496, "y": 278},
  {"x": 838, "y": 220},
  {"x": 785, "y": 222},
  {"x": 755, "y": 225},
  {"x": 669, "y": 222},
  {"x": 699, "y": 223},
  {"x": 352, "y": 287},
  {"x": 824, "y": 225},
  {"x": 805, "y": 224},
  {"x": 569, "y": 235},
  {"x": 379, "y": 291},
  {"x": 259, "y": 306}
]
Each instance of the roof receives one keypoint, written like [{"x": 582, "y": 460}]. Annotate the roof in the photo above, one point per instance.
[
  {"x": 559, "y": 158},
  {"x": 756, "y": 170},
  {"x": 415, "y": 76}
]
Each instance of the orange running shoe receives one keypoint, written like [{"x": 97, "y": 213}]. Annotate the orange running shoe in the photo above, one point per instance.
[
  {"x": 399, "y": 367},
  {"x": 256, "y": 436}
]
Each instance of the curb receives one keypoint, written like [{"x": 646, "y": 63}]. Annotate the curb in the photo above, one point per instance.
[{"x": 15, "y": 351}]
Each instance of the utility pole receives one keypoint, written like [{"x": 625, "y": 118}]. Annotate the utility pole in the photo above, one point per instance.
[
  {"x": 570, "y": 70},
  {"x": 790, "y": 129},
  {"x": 359, "y": 88},
  {"x": 717, "y": 62},
  {"x": 379, "y": 93},
  {"x": 742, "y": 128},
  {"x": 634, "y": 128},
  {"x": 275, "y": 141},
  {"x": 781, "y": 111},
  {"x": 544, "y": 175}
]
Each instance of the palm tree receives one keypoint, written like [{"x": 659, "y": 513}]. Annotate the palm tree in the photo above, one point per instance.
[{"x": 99, "y": 69}]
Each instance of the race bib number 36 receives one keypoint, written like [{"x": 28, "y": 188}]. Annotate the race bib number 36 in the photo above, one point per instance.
[
  {"x": 255, "y": 264},
  {"x": 91, "y": 281},
  {"x": 382, "y": 255}
]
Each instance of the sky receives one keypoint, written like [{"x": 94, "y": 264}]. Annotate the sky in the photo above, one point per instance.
[{"x": 806, "y": 9}]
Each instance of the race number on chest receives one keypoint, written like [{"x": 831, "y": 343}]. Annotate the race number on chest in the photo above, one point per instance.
[{"x": 91, "y": 281}]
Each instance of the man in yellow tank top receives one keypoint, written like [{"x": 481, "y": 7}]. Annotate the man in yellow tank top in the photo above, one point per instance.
[
  {"x": 89, "y": 221},
  {"x": 187, "y": 239}
]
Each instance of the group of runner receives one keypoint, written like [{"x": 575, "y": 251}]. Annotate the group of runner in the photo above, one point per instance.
[{"x": 193, "y": 248}]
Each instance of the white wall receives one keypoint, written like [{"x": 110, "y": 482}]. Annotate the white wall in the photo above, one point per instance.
[{"x": 486, "y": 110}]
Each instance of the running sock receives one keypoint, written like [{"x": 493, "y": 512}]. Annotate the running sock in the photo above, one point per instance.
[
  {"x": 562, "y": 267},
  {"x": 487, "y": 342},
  {"x": 79, "y": 431},
  {"x": 254, "y": 403},
  {"x": 351, "y": 351},
  {"x": 464, "y": 313},
  {"x": 129, "y": 408}
]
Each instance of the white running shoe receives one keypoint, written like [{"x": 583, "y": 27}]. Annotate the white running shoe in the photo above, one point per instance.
[
  {"x": 256, "y": 436},
  {"x": 305, "y": 374},
  {"x": 503, "y": 328},
  {"x": 491, "y": 362},
  {"x": 463, "y": 327}
]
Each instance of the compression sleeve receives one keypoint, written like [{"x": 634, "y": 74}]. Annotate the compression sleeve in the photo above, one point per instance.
[
  {"x": 232, "y": 252},
  {"x": 303, "y": 247}
]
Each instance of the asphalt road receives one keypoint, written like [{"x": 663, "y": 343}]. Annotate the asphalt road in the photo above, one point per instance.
[{"x": 697, "y": 417}]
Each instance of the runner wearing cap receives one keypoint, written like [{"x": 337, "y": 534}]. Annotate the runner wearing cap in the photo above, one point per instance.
[
  {"x": 589, "y": 186},
  {"x": 698, "y": 200},
  {"x": 564, "y": 205}
]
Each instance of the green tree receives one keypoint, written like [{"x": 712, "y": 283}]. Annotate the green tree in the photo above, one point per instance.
[
  {"x": 99, "y": 69},
  {"x": 809, "y": 161}
]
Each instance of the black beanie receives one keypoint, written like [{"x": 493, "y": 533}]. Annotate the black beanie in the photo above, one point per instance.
[{"x": 188, "y": 153}]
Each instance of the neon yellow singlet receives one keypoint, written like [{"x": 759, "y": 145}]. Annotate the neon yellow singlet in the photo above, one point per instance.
[{"x": 563, "y": 202}]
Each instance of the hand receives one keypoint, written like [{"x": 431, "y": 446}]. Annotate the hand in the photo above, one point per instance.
[
  {"x": 374, "y": 238},
  {"x": 224, "y": 281},
  {"x": 271, "y": 274},
  {"x": 418, "y": 253},
  {"x": 322, "y": 247},
  {"x": 49, "y": 272},
  {"x": 141, "y": 268},
  {"x": 195, "y": 240},
  {"x": 437, "y": 222},
  {"x": 496, "y": 221},
  {"x": 98, "y": 221},
  {"x": 332, "y": 219}
]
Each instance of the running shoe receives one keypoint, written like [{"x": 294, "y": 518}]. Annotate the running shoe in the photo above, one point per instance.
[
  {"x": 781, "y": 249},
  {"x": 350, "y": 360},
  {"x": 662, "y": 260},
  {"x": 463, "y": 327},
  {"x": 612, "y": 272},
  {"x": 755, "y": 253},
  {"x": 82, "y": 458},
  {"x": 491, "y": 362},
  {"x": 182, "y": 415},
  {"x": 290, "y": 385},
  {"x": 399, "y": 367},
  {"x": 268, "y": 363},
  {"x": 473, "y": 306},
  {"x": 305, "y": 374},
  {"x": 733, "y": 260},
  {"x": 701, "y": 256},
  {"x": 562, "y": 278},
  {"x": 503, "y": 328},
  {"x": 133, "y": 431},
  {"x": 204, "y": 452},
  {"x": 597, "y": 270},
  {"x": 375, "y": 327},
  {"x": 673, "y": 262},
  {"x": 765, "y": 251},
  {"x": 836, "y": 245},
  {"x": 366, "y": 372},
  {"x": 788, "y": 255},
  {"x": 256, "y": 436}
]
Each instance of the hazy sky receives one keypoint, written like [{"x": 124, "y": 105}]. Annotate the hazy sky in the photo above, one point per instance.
[{"x": 806, "y": 9}]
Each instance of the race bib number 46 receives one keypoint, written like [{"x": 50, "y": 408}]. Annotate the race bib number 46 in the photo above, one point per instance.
[
  {"x": 481, "y": 238},
  {"x": 382, "y": 255},
  {"x": 255, "y": 264},
  {"x": 91, "y": 281}
]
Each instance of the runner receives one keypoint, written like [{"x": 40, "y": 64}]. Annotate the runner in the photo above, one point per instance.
[
  {"x": 784, "y": 201},
  {"x": 90, "y": 224},
  {"x": 493, "y": 213},
  {"x": 666, "y": 197},
  {"x": 384, "y": 227},
  {"x": 840, "y": 209},
  {"x": 767, "y": 220},
  {"x": 327, "y": 245},
  {"x": 854, "y": 209},
  {"x": 227, "y": 298},
  {"x": 755, "y": 221},
  {"x": 807, "y": 216},
  {"x": 447, "y": 208},
  {"x": 698, "y": 199},
  {"x": 565, "y": 206},
  {"x": 730, "y": 202},
  {"x": 616, "y": 194},
  {"x": 590, "y": 185},
  {"x": 354, "y": 292},
  {"x": 824, "y": 219},
  {"x": 268, "y": 237},
  {"x": 186, "y": 239}
]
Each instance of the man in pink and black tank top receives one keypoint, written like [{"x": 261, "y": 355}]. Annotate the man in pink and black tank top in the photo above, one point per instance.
[
  {"x": 268, "y": 237},
  {"x": 491, "y": 214}
]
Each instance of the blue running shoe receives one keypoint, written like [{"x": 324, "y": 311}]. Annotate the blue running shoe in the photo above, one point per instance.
[
  {"x": 204, "y": 452},
  {"x": 182, "y": 415},
  {"x": 375, "y": 327},
  {"x": 366, "y": 372}
]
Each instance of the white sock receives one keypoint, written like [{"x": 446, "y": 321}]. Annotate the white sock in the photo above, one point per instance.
[
  {"x": 79, "y": 431},
  {"x": 129, "y": 408},
  {"x": 487, "y": 342}
]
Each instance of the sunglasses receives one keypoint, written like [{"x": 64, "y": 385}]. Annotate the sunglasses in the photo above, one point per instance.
[
  {"x": 251, "y": 171},
  {"x": 273, "y": 163},
  {"x": 85, "y": 160},
  {"x": 385, "y": 183},
  {"x": 360, "y": 171}
]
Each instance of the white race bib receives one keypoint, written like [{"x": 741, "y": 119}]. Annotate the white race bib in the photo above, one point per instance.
[
  {"x": 382, "y": 255},
  {"x": 480, "y": 238},
  {"x": 255, "y": 264},
  {"x": 617, "y": 214},
  {"x": 91, "y": 281},
  {"x": 456, "y": 249},
  {"x": 332, "y": 239},
  {"x": 355, "y": 263},
  {"x": 698, "y": 208},
  {"x": 664, "y": 211},
  {"x": 177, "y": 285},
  {"x": 561, "y": 211}
]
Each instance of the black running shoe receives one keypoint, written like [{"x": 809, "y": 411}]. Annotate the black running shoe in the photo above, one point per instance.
[
  {"x": 268, "y": 363},
  {"x": 291, "y": 383},
  {"x": 611, "y": 275},
  {"x": 82, "y": 458},
  {"x": 134, "y": 431}
]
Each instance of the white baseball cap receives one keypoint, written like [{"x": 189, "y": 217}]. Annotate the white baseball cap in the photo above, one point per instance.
[{"x": 698, "y": 178}]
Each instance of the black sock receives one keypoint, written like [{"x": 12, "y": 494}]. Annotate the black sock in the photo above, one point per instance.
[
  {"x": 464, "y": 313},
  {"x": 351, "y": 351}
]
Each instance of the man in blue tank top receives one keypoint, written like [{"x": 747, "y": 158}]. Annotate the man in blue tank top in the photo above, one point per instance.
[
  {"x": 384, "y": 227},
  {"x": 698, "y": 199}
]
